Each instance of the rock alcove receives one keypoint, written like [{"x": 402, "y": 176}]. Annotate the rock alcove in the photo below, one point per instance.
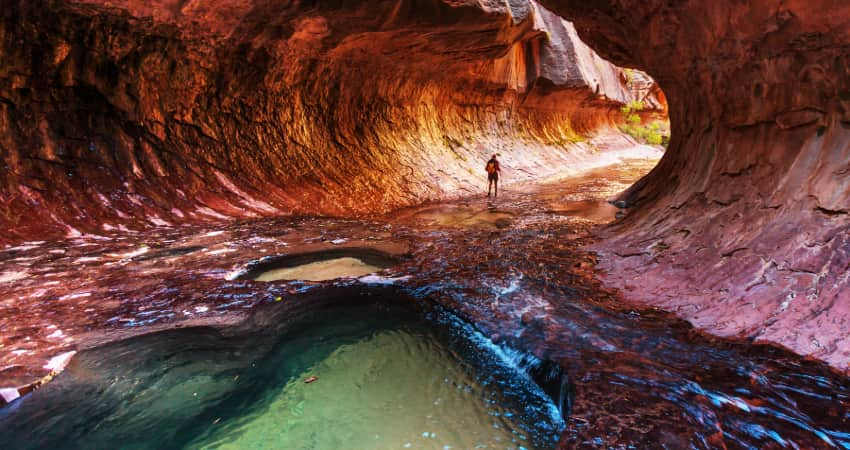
[
  {"x": 123, "y": 119},
  {"x": 127, "y": 114}
]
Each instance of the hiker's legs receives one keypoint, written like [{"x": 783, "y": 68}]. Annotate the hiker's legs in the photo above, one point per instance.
[
  {"x": 496, "y": 186},
  {"x": 489, "y": 186}
]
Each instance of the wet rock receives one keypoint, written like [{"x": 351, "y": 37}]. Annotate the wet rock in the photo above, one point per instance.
[
  {"x": 627, "y": 377},
  {"x": 502, "y": 223}
]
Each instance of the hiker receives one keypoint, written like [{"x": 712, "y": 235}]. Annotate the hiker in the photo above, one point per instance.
[{"x": 493, "y": 170}]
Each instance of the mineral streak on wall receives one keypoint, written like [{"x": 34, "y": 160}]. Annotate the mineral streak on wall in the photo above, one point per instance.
[
  {"x": 125, "y": 113},
  {"x": 743, "y": 226}
]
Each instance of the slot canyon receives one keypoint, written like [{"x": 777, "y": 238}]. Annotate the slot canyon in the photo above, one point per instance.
[{"x": 266, "y": 224}]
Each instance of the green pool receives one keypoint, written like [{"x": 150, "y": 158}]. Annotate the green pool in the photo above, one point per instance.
[{"x": 383, "y": 378}]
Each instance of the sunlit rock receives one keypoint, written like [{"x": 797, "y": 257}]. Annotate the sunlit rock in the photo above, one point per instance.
[{"x": 158, "y": 113}]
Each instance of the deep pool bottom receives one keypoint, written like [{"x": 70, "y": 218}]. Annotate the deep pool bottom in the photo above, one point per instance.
[{"x": 385, "y": 378}]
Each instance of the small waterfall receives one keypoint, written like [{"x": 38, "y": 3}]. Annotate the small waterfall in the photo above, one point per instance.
[{"x": 548, "y": 375}]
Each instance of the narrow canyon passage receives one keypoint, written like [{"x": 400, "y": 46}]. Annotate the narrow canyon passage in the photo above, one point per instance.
[
  {"x": 661, "y": 269},
  {"x": 514, "y": 267}
]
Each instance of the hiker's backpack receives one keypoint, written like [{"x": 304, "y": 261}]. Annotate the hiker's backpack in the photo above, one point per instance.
[{"x": 491, "y": 167}]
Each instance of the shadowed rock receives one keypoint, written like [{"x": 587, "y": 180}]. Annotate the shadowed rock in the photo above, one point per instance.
[{"x": 742, "y": 227}]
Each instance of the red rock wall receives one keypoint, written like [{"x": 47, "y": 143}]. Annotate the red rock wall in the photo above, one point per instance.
[
  {"x": 114, "y": 112},
  {"x": 124, "y": 113},
  {"x": 743, "y": 226}
]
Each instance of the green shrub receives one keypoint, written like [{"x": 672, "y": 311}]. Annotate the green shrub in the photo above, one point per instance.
[
  {"x": 654, "y": 133},
  {"x": 632, "y": 107}
]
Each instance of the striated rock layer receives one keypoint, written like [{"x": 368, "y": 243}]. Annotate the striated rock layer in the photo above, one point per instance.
[
  {"x": 123, "y": 113},
  {"x": 116, "y": 111},
  {"x": 743, "y": 227}
]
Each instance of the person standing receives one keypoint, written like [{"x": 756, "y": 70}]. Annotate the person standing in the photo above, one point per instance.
[{"x": 493, "y": 171}]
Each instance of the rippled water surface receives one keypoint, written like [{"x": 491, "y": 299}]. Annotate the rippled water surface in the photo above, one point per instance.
[{"x": 379, "y": 379}]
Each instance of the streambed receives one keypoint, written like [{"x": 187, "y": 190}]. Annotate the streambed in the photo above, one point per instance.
[
  {"x": 321, "y": 270},
  {"x": 641, "y": 377}
]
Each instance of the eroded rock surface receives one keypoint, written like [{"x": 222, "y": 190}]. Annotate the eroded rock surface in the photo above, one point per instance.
[
  {"x": 123, "y": 113},
  {"x": 640, "y": 377},
  {"x": 743, "y": 227}
]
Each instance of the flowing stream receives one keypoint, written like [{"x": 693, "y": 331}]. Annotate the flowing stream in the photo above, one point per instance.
[{"x": 516, "y": 268}]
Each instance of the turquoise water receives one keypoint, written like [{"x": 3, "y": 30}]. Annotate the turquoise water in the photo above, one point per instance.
[{"x": 387, "y": 379}]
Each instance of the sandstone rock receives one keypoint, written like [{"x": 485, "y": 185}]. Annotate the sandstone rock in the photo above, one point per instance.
[
  {"x": 123, "y": 110},
  {"x": 128, "y": 112},
  {"x": 746, "y": 167},
  {"x": 793, "y": 119}
]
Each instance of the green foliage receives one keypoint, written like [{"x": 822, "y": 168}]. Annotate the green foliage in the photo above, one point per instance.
[
  {"x": 632, "y": 107},
  {"x": 654, "y": 133}
]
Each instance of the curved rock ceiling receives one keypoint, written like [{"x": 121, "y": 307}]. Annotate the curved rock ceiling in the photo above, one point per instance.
[{"x": 172, "y": 111}]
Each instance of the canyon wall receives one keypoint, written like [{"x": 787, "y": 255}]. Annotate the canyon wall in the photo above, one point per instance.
[
  {"x": 743, "y": 227},
  {"x": 123, "y": 113}
]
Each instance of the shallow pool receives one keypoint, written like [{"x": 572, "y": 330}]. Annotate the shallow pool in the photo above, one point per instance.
[
  {"x": 321, "y": 270},
  {"x": 322, "y": 265},
  {"x": 381, "y": 377}
]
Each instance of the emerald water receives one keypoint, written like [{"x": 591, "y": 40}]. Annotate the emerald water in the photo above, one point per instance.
[{"x": 387, "y": 379}]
